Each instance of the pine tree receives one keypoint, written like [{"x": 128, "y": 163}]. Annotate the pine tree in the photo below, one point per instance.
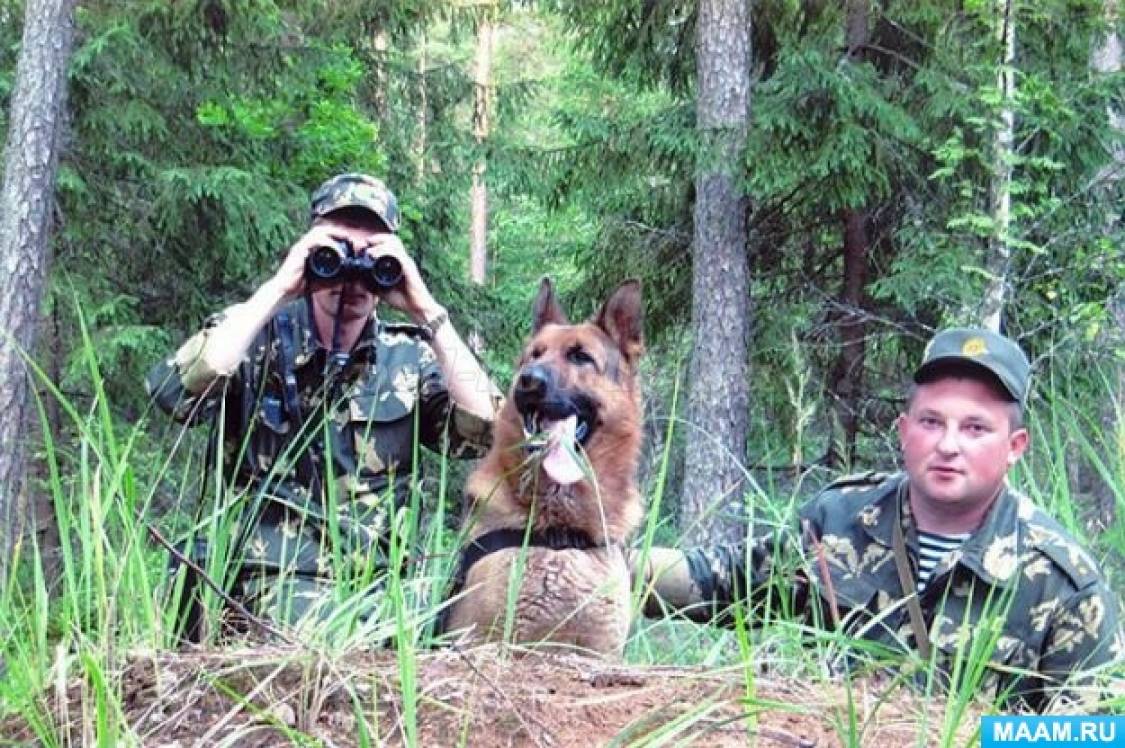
[
  {"x": 27, "y": 209},
  {"x": 718, "y": 388}
]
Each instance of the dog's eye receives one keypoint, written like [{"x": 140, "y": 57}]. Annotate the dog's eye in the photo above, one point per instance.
[
  {"x": 579, "y": 357},
  {"x": 536, "y": 353}
]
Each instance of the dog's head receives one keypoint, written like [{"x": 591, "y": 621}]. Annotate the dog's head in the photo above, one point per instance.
[{"x": 576, "y": 394}]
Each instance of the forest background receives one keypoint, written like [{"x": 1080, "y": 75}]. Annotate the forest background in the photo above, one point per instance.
[{"x": 885, "y": 169}]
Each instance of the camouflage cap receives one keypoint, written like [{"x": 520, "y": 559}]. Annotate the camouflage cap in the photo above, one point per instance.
[
  {"x": 356, "y": 191},
  {"x": 996, "y": 354}
]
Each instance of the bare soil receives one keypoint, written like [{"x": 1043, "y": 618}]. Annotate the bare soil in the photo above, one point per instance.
[{"x": 273, "y": 696}]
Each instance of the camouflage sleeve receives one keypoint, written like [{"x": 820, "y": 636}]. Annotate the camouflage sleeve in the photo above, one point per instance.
[
  {"x": 445, "y": 426},
  {"x": 705, "y": 584},
  {"x": 183, "y": 385},
  {"x": 1085, "y": 652}
]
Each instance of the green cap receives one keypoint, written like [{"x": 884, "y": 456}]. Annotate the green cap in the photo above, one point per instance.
[
  {"x": 356, "y": 191},
  {"x": 992, "y": 352}
]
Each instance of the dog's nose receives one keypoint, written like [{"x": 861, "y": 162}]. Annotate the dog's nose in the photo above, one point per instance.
[{"x": 532, "y": 385}]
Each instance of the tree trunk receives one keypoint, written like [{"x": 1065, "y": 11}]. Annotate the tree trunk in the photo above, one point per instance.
[
  {"x": 422, "y": 120},
  {"x": 380, "y": 44},
  {"x": 1107, "y": 61},
  {"x": 26, "y": 206},
  {"x": 482, "y": 86},
  {"x": 856, "y": 29},
  {"x": 718, "y": 391},
  {"x": 999, "y": 252},
  {"x": 53, "y": 353},
  {"x": 1103, "y": 498},
  {"x": 847, "y": 375},
  {"x": 478, "y": 192}
]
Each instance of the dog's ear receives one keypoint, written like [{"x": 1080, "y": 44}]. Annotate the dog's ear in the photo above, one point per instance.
[
  {"x": 546, "y": 309},
  {"x": 622, "y": 319}
]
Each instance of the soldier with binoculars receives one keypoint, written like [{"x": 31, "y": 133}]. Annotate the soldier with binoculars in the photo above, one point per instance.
[{"x": 318, "y": 406}]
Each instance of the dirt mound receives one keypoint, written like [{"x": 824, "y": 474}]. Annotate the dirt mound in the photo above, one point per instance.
[{"x": 480, "y": 697}]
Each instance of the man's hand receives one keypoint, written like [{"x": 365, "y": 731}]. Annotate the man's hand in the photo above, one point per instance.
[
  {"x": 227, "y": 342},
  {"x": 468, "y": 385},
  {"x": 289, "y": 280},
  {"x": 411, "y": 295}
]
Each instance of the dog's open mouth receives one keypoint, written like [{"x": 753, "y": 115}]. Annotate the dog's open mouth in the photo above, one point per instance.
[{"x": 560, "y": 442}]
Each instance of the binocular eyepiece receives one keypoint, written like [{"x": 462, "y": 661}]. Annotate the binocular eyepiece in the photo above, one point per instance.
[{"x": 337, "y": 261}]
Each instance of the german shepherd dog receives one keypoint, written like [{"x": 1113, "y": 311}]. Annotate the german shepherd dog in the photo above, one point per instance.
[{"x": 556, "y": 497}]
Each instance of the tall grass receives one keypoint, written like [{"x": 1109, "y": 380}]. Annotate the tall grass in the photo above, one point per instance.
[
  {"x": 103, "y": 599},
  {"x": 108, "y": 597}
]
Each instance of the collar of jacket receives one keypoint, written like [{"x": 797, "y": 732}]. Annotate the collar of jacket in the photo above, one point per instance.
[
  {"x": 991, "y": 552},
  {"x": 305, "y": 346}
]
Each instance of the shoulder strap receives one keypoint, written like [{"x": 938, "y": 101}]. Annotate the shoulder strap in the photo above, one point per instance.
[
  {"x": 285, "y": 351},
  {"x": 909, "y": 588}
]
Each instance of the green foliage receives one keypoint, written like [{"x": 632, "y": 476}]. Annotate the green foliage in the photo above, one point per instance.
[
  {"x": 829, "y": 133},
  {"x": 1060, "y": 147},
  {"x": 640, "y": 43},
  {"x": 192, "y": 158},
  {"x": 903, "y": 133},
  {"x": 198, "y": 128},
  {"x": 82, "y": 635}
]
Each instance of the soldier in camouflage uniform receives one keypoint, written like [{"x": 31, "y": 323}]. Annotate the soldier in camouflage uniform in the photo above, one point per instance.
[
  {"x": 986, "y": 574},
  {"x": 319, "y": 405}
]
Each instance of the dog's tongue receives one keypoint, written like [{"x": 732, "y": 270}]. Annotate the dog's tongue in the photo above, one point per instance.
[{"x": 559, "y": 460}]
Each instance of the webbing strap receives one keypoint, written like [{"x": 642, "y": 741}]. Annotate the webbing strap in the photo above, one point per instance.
[
  {"x": 286, "y": 352},
  {"x": 286, "y": 355},
  {"x": 909, "y": 588}
]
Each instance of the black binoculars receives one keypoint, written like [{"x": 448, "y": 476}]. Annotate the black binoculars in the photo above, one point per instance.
[{"x": 338, "y": 262}]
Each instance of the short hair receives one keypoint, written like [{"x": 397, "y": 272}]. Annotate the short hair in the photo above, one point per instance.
[{"x": 963, "y": 370}]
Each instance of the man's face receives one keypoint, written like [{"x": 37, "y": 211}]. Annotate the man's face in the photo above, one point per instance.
[
  {"x": 958, "y": 443},
  {"x": 359, "y": 227}
]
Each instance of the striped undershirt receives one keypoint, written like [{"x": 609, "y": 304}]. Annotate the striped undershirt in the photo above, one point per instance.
[{"x": 932, "y": 549}]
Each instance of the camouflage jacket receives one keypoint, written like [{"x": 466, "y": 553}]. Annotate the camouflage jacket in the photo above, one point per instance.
[
  {"x": 1019, "y": 594},
  {"x": 360, "y": 427}
]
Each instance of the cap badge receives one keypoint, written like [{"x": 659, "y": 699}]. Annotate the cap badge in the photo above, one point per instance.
[{"x": 974, "y": 347}]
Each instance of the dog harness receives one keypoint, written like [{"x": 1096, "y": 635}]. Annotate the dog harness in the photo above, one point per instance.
[{"x": 554, "y": 538}]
